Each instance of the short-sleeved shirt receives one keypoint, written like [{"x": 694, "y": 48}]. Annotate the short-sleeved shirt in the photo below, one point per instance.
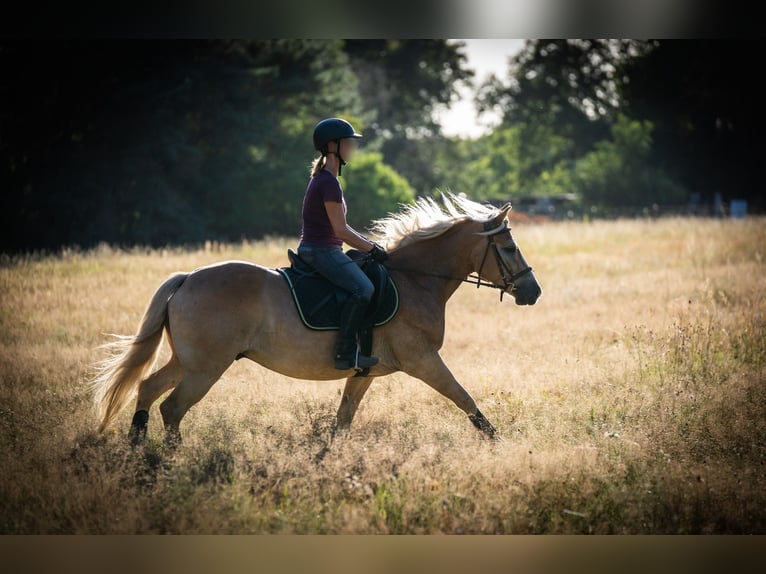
[{"x": 317, "y": 230}]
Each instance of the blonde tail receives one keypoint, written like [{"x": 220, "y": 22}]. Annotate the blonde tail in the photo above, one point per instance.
[{"x": 117, "y": 377}]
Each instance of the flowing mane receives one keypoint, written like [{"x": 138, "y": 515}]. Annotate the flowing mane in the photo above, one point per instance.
[{"x": 426, "y": 219}]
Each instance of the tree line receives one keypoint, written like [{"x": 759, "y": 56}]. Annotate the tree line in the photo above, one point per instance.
[{"x": 167, "y": 142}]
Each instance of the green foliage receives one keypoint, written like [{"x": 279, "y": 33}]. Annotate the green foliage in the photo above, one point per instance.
[
  {"x": 709, "y": 121},
  {"x": 401, "y": 83},
  {"x": 618, "y": 172},
  {"x": 536, "y": 160},
  {"x": 554, "y": 180},
  {"x": 706, "y": 120},
  {"x": 255, "y": 177},
  {"x": 564, "y": 84},
  {"x": 520, "y": 161},
  {"x": 167, "y": 142},
  {"x": 495, "y": 173},
  {"x": 373, "y": 189},
  {"x": 181, "y": 142}
]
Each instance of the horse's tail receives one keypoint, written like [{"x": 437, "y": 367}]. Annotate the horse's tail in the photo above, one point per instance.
[{"x": 117, "y": 377}]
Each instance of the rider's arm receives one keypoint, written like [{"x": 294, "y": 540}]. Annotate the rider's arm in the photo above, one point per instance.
[{"x": 343, "y": 230}]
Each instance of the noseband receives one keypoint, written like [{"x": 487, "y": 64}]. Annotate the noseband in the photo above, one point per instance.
[{"x": 506, "y": 274}]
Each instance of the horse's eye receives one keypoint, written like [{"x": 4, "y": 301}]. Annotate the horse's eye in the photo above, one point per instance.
[{"x": 509, "y": 249}]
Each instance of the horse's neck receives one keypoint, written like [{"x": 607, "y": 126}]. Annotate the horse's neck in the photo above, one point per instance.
[{"x": 442, "y": 261}]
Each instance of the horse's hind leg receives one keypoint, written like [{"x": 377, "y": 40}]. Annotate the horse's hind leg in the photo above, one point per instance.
[
  {"x": 189, "y": 391},
  {"x": 159, "y": 382}
]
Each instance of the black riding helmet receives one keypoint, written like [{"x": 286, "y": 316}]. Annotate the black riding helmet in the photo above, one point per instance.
[{"x": 333, "y": 129}]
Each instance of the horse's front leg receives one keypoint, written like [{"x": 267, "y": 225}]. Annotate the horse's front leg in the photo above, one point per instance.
[
  {"x": 355, "y": 389},
  {"x": 431, "y": 369},
  {"x": 352, "y": 394}
]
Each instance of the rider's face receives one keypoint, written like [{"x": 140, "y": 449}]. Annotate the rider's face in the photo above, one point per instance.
[{"x": 348, "y": 147}]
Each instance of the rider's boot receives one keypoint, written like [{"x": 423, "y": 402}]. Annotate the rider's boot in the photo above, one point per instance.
[{"x": 346, "y": 349}]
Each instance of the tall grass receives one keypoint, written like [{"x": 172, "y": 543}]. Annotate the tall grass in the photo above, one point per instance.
[{"x": 631, "y": 397}]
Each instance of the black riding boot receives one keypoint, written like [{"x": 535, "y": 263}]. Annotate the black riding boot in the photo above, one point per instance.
[{"x": 346, "y": 350}]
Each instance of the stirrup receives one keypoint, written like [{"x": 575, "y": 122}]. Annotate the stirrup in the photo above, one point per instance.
[{"x": 360, "y": 362}]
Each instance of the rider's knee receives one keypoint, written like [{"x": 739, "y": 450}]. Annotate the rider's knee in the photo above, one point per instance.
[{"x": 365, "y": 292}]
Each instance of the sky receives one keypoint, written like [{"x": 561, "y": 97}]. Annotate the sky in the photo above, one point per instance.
[{"x": 485, "y": 57}]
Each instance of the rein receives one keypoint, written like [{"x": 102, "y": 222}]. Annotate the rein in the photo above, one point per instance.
[{"x": 506, "y": 274}]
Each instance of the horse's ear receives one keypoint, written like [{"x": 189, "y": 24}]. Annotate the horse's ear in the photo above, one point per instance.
[
  {"x": 500, "y": 217},
  {"x": 492, "y": 226}
]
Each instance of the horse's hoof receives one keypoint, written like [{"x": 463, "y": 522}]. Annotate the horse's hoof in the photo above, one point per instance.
[
  {"x": 137, "y": 432},
  {"x": 172, "y": 439},
  {"x": 481, "y": 423},
  {"x": 136, "y": 438}
]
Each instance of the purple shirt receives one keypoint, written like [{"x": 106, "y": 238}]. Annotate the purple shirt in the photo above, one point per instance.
[{"x": 317, "y": 230}]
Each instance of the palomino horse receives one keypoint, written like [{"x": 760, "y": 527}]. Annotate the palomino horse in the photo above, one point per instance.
[{"x": 235, "y": 309}]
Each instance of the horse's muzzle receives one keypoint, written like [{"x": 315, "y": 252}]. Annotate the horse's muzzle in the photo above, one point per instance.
[{"x": 526, "y": 291}]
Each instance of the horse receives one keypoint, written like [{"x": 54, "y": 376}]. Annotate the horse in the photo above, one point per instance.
[{"x": 235, "y": 309}]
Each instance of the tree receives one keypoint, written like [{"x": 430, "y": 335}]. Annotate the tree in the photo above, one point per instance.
[
  {"x": 708, "y": 114},
  {"x": 521, "y": 160},
  {"x": 375, "y": 189},
  {"x": 618, "y": 173},
  {"x": 572, "y": 86},
  {"x": 557, "y": 102},
  {"x": 401, "y": 82},
  {"x": 698, "y": 95},
  {"x": 161, "y": 142}
]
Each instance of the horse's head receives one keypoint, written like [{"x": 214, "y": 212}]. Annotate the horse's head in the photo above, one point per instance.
[{"x": 499, "y": 260}]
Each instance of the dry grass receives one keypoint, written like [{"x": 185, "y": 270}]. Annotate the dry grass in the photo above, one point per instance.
[{"x": 632, "y": 398}]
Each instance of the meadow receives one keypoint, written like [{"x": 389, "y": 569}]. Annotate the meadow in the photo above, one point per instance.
[{"x": 631, "y": 397}]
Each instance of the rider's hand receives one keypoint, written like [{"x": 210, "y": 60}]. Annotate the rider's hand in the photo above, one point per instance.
[{"x": 378, "y": 254}]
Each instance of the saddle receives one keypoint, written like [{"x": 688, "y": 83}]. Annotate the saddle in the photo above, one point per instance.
[{"x": 319, "y": 302}]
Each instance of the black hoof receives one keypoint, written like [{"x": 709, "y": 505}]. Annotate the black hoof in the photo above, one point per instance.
[
  {"x": 481, "y": 423},
  {"x": 172, "y": 438},
  {"x": 137, "y": 433}
]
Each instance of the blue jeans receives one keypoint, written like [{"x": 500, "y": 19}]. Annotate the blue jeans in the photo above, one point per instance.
[{"x": 339, "y": 269}]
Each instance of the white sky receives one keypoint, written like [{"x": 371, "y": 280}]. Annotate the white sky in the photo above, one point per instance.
[{"x": 485, "y": 57}]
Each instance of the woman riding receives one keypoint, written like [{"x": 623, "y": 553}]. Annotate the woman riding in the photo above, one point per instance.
[{"x": 325, "y": 230}]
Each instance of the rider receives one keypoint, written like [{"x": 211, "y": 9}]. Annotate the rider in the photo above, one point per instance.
[{"x": 325, "y": 230}]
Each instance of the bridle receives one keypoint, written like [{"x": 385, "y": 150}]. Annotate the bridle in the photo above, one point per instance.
[{"x": 507, "y": 276}]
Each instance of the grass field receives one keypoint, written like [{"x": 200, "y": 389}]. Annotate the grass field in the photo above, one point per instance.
[{"x": 632, "y": 398}]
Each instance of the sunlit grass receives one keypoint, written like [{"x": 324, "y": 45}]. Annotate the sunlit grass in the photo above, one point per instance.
[{"x": 631, "y": 397}]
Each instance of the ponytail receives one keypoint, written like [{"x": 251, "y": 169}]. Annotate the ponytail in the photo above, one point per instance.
[{"x": 318, "y": 165}]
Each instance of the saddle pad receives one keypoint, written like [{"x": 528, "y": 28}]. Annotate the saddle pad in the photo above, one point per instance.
[{"x": 319, "y": 302}]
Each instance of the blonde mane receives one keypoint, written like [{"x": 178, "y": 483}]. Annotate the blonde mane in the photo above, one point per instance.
[{"x": 426, "y": 219}]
